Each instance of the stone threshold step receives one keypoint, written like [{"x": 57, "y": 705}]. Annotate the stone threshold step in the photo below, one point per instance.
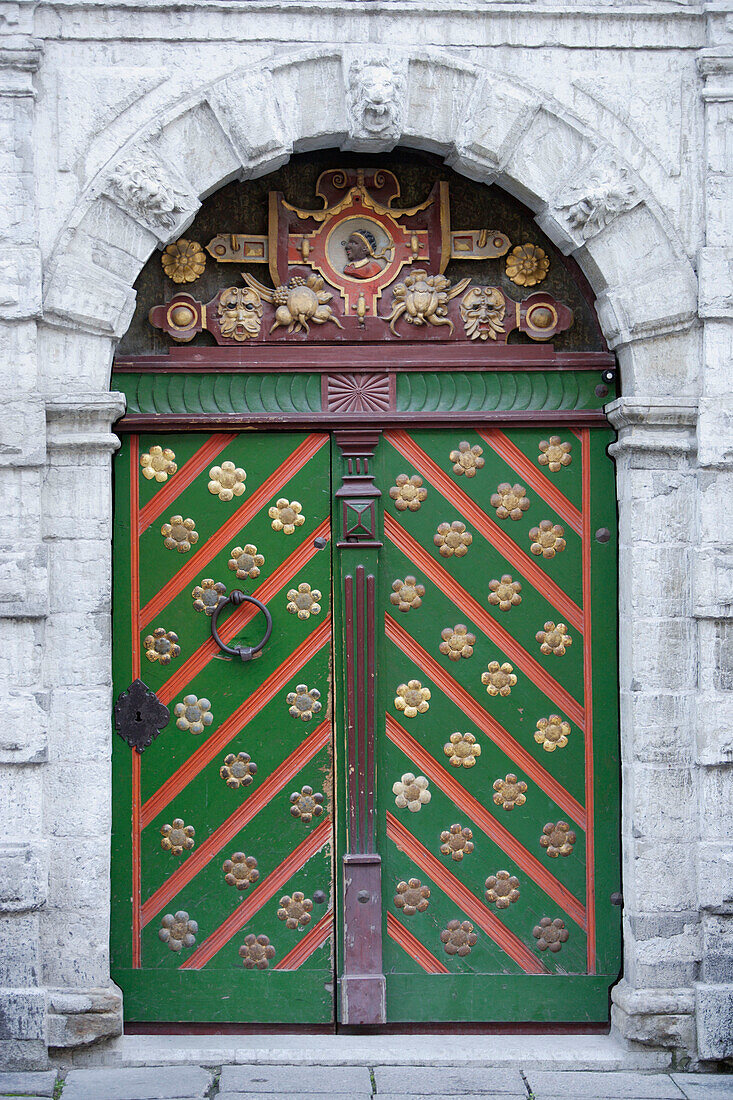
[{"x": 566, "y": 1052}]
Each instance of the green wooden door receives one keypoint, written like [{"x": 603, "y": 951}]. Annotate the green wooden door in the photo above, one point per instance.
[
  {"x": 497, "y": 766},
  {"x": 480, "y": 599},
  {"x": 222, "y": 856}
]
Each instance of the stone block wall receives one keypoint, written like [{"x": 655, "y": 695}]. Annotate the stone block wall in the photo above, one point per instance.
[{"x": 612, "y": 122}]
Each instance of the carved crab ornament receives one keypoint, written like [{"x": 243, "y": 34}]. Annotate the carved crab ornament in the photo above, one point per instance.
[
  {"x": 423, "y": 299},
  {"x": 297, "y": 302}
]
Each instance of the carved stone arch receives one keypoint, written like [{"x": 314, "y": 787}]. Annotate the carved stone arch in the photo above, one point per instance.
[{"x": 487, "y": 126}]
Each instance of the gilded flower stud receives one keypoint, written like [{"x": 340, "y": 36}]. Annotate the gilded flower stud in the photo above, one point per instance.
[
  {"x": 552, "y": 733},
  {"x": 193, "y": 714},
  {"x": 551, "y": 933},
  {"x": 303, "y": 601},
  {"x": 527, "y": 265},
  {"x": 407, "y": 594},
  {"x": 547, "y": 539},
  {"x": 183, "y": 261},
  {"x": 161, "y": 646},
  {"x": 286, "y": 515},
  {"x": 509, "y": 792},
  {"x": 452, "y": 538},
  {"x": 208, "y": 595},
  {"x": 227, "y": 481},
  {"x": 467, "y": 459},
  {"x": 246, "y": 562},
  {"x": 558, "y": 840},
  {"x": 158, "y": 463},
  {"x": 238, "y": 771},
  {"x": 458, "y": 938},
  {"x": 177, "y": 930},
  {"x": 502, "y": 889},
  {"x": 304, "y": 702},
  {"x": 177, "y": 837},
  {"x": 456, "y": 842},
  {"x": 295, "y": 911},
  {"x": 554, "y": 454},
  {"x": 510, "y": 501},
  {"x": 412, "y": 698},
  {"x": 554, "y": 639},
  {"x": 180, "y": 534},
  {"x": 306, "y": 805},
  {"x": 462, "y": 750},
  {"x": 504, "y": 594},
  {"x": 411, "y": 792},
  {"x": 240, "y": 870},
  {"x": 412, "y": 897},
  {"x": 256, "y": 952},
  {"x": 499, "y": 679},
  {"x": 407, "y": 493},
  {"x": 457, "y": 642}
]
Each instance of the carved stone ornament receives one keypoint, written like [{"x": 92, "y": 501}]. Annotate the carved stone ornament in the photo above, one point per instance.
[
  {"x": 376, "y": 98},
  {"x": 138, "y": 185},
  {"x": 139, "y": 716},
  {"x": 606, "y": 192}
]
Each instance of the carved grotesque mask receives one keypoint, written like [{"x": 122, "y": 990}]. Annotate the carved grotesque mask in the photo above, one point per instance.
[
  {"x": 482, "y": 311},
  {"x": 240, "y": 313},
  {"x": 376, "y": 97}
]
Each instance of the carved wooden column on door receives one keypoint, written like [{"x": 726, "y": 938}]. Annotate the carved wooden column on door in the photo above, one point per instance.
[{"x": 358, "y": 523}]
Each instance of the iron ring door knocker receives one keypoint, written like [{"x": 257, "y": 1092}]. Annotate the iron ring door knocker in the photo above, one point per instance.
[{"x": 246, "y": 653}]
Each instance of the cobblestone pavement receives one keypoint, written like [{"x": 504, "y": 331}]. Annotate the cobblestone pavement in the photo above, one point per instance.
[{"x": 359, "y": 1083}]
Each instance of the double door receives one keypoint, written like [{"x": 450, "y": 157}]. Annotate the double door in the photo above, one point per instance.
[{"x": 404, "y": 806}]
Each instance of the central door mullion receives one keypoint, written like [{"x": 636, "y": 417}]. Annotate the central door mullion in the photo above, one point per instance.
[{"x": 358, "y": 522}]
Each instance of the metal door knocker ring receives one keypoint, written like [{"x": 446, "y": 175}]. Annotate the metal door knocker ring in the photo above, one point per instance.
[{"x": 245, "y": 652}]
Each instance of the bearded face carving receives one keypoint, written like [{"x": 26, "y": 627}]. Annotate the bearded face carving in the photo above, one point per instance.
[
  {"x": 376, "y": 99},
  {"x": 482, "y": 311},
  {"x": 240, "y": 313}
]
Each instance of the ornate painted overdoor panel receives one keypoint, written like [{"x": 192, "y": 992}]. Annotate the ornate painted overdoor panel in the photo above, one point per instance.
[{"x": 223, "y": 824}]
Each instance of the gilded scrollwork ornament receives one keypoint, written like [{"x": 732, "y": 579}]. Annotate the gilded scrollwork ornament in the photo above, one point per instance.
[
  {"x": 423, "y": 300},
  {"x": 299, "y": 302}
]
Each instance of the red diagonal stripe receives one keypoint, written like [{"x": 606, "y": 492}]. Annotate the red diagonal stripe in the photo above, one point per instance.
[
  {"x": 199, "y": 559},
  {"x": 236, "y": 721},
  {"x": 485, "y": 722},
  {"x": 241, "y": 817},
  {"x": 533, "y": 475},
  {"x": 485, "y": 821},
  {"x": 457, "y": 892},
  {"x": 409, "y": 943},
  {"x": 242, "y": 615},
  {"x": 310, "y": 942},
  {"x": 175, "y": 485},
  {"x": 261, "y": 895},
  {"x": 483, "y": 523},
  {"x": 491, "y": 628}
]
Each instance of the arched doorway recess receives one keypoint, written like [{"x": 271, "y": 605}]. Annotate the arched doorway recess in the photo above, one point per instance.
[
  {"x": 235, "y": 127},
  {"x": 367, "y": 393}
]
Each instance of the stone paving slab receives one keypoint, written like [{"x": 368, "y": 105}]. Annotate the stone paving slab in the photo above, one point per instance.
[
  {"x": 150, "y": 1083},
  {"x": 24, "y": 1083},
  {"x": 22, "y": 1096},
  {"x": 705, "y": 1086},
  {"x": 449, "y": 1095},
  {"x": 626, "y": 1085},
  {"x": 289, "y": 1079},
  {"x": 411, "y": 1081},
  {"x": 341, "y": 1095}
]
